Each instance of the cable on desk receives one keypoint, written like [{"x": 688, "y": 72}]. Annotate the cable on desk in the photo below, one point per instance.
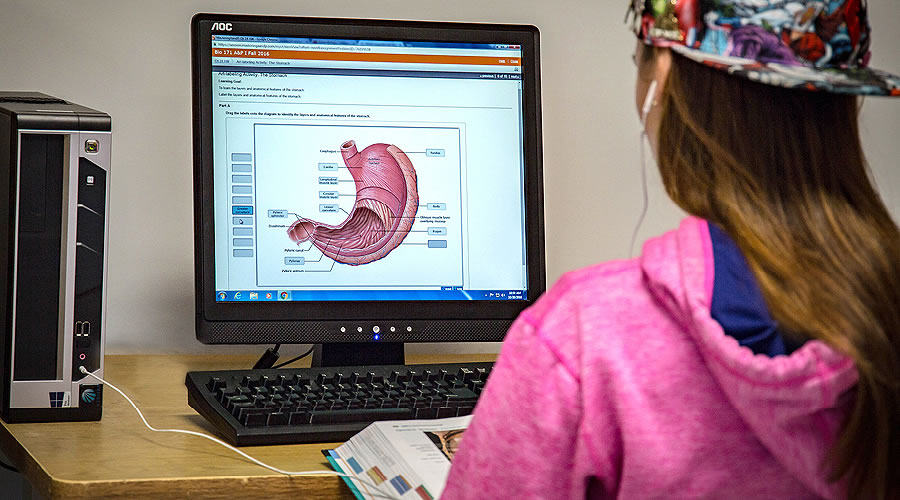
[
  {"x": 377, "y": 493},
  {"x": 9, "y": 467},
  {"x": 268, "y": 358},
  {"x": 298, "y": 358}
]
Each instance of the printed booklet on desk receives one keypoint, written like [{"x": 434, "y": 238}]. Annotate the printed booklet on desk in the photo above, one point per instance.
[{"x": 407, "y": 459}]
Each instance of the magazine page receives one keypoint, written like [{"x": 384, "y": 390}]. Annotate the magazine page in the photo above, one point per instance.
[{"x": 406, "y": 459}]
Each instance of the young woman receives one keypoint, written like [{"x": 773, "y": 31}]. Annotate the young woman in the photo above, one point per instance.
[{"x": 755, "y": 351}]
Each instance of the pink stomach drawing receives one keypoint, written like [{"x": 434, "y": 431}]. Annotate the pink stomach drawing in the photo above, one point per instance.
[{"x": 386, "y": 203}]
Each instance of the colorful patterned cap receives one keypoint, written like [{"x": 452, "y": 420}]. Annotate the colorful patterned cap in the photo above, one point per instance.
[{"x": 818, "y": 45}]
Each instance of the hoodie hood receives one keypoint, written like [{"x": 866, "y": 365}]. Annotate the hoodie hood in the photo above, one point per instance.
[{"x": 794, "y": 404}]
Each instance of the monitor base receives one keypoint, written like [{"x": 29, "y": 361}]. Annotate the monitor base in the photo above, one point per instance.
[{"x": 358, "y": 354}]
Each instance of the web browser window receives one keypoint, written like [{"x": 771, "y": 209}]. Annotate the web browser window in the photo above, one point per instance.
[{"x": 367, "y": 170}]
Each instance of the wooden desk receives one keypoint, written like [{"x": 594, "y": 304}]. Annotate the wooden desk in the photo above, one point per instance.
[{"x": 118, "y": 457}]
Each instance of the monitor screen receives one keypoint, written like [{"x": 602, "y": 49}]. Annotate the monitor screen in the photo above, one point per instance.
[{"x": 355, "y": 171}]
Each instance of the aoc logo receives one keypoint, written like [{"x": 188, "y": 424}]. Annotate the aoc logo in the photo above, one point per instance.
[{"x": 221, "y": 27}]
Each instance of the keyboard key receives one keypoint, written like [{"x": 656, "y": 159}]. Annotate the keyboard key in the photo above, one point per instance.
[
  {"x": 426, "y": 412},
  {"x": 464, "y": 410},
  {"x": 215, "y": 383},
  {"x": 461, "y": 394},
  {"x": 236, "y": 399},
  {"x": 223, "y": 393},
  {"x": 298, "y": 418},
  {"x": 243, "y": 411},
  {"x": 446, "y": 412},
  {"x": 278, "y": 418},
  {"x": 236, "y": 408},
  {"x": 374, "y": 415},
  {"x": 254, "y": 419},
  {"x": 236, "y": 402}
]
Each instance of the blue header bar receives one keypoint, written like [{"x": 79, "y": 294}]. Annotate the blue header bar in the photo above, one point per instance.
[{"x": 365, "y": 43}]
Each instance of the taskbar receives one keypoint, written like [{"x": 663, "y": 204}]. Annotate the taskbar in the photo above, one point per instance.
[{"x": 446, "y": 293}]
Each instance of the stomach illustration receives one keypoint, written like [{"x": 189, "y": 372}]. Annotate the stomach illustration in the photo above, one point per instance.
[{"x": 382, "y": 215}]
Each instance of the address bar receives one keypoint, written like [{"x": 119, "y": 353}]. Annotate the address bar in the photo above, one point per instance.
[{"x": 295, "y": 46}]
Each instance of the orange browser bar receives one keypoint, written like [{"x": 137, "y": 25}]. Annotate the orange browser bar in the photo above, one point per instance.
[{"x": 367, "y": 57}]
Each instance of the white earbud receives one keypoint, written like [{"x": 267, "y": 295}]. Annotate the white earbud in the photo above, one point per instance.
[{"x": 648, "y": 104}]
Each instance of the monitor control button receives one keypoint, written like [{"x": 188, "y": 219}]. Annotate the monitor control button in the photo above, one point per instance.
[
  {"x": 408, "y": 328},
  {"x": 393, "y": 329},
  {"x": 376, "y": 328},
  {"x": 359, "y": 329},
  {"x": 343, "y": 329}
]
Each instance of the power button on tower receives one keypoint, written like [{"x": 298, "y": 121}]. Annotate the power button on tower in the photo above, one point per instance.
[{"x": 91, "y": 146}]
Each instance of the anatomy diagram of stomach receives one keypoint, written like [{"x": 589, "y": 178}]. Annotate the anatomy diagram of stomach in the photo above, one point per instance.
[{"x": 383, "y": 214}]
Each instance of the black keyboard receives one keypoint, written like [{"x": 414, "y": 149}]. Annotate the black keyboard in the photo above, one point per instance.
[{"x": 310, "y": 405}]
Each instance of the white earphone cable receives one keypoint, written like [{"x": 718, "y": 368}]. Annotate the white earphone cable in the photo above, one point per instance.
[
  {"x": 232, "y": 448},
  {"x": 645, "y": 111}
]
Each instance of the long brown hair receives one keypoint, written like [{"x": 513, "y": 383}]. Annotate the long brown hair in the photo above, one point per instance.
[{"x": 783, "y": 172}]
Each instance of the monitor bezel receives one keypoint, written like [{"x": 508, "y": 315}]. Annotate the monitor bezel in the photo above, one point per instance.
[{"x": 210, "y": 312}]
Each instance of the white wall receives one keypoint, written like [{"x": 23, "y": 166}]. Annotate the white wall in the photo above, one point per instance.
[{"x": 131, "y": 59}]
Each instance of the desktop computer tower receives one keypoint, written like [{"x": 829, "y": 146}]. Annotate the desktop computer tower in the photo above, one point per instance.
[{"x": 54, "y": 194}]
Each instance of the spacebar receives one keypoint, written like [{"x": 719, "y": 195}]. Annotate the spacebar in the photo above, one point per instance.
[{"x": 361, "y": 415}]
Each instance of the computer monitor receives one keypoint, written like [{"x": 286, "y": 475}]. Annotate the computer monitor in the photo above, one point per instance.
[{"x": 364, "y": 183}]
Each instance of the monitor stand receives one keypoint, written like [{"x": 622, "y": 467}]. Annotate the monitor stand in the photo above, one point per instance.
[{"x": 358, "y": 354}]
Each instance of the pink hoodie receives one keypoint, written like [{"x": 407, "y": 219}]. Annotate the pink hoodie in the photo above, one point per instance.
[{"x": 618, "y": 383}]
